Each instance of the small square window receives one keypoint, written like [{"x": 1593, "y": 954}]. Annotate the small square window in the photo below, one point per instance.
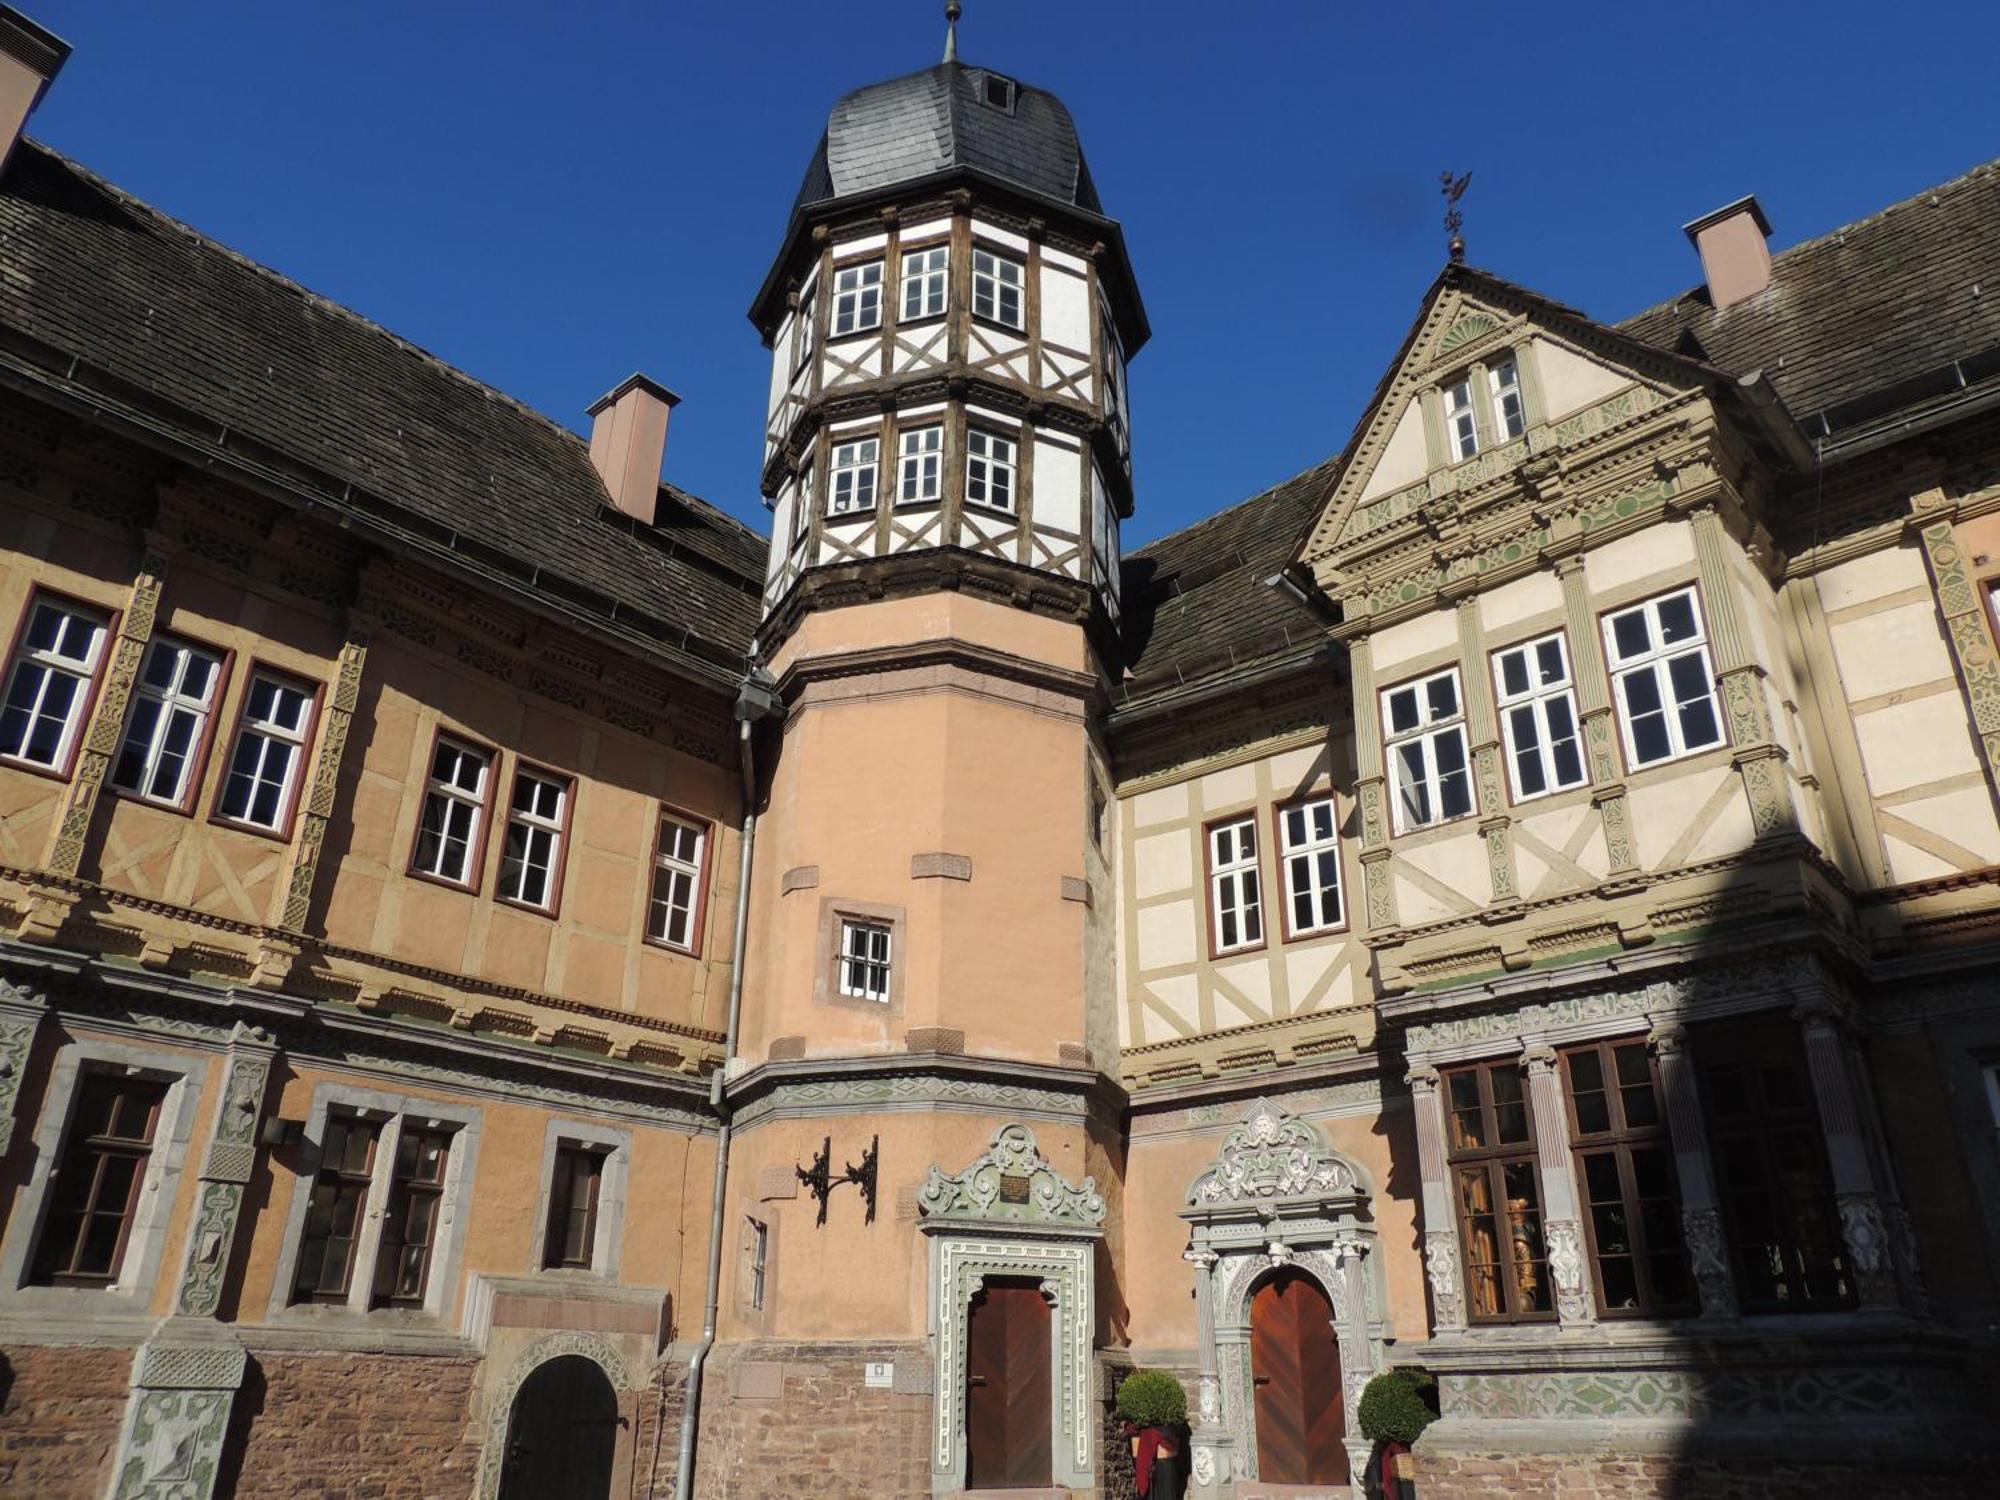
[
  {"x": 864, "y": 960},
  {"x": 1001, "y": 93}
]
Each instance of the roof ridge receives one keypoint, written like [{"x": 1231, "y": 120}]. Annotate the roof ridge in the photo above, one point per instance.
[
  {"x": 139, "y": 205},
  {"x": 1964, "y": 178}
]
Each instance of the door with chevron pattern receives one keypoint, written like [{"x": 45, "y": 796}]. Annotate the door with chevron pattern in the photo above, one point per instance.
[{"x": 1295, "y": 1372}]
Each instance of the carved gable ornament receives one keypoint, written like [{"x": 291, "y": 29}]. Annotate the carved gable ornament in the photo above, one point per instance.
[
  {"x": 1012, "y": 1183},
  {"x": 1465, "y": 329},
  {"x": 1271, "y": 1156}
]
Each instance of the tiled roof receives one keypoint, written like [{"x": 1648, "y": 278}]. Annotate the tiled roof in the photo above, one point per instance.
[{"x": 193, "y": 336}]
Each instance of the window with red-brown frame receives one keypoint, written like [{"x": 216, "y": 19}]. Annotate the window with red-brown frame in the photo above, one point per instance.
[
  {"x": 54, "y": 668},
  {"x": 451, "y": 830},
  {"x": 1497, "y": 1193},
  {"x": 170, "y": 722},
  {"x": 267, "y": 756},
  {"x": 680, "y": 882},
  {"x": 536, "y": 844}
]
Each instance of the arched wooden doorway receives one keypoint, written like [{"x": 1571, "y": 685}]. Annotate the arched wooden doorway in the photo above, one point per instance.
[
  {"x": 1295, "y": 1375},
  {"x": 1008, "y": 1387},
  {"x": 561, "y": 1434}
]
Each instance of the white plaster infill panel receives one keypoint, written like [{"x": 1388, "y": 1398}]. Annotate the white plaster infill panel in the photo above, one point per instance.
[{"x": 1011, "y": 1214}]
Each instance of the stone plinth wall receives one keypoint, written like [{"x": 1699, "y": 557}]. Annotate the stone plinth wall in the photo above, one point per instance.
[
  {"x": 782, "y": 1420},
  {"x": 60, "y": 1411},
  {"x": 1781, "y": 1476},
  {"x": 657, "y": 1431},
  {"x": 388, "y": 1427}
]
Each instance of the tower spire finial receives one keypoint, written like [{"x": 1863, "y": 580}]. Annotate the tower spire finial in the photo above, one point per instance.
[
  {"x": 1453, "y": 188},
  {"x": 952, "y": 11}
]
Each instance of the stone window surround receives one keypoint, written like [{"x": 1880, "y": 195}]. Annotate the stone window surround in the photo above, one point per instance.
[
  {"x": 186, "y": 1076},
  {"x": 607, "y": 1250},
  {"x": 440, "y": 1290},
  {"x": 752, "y": 1211},
  {"x": 826, "y": 977}
]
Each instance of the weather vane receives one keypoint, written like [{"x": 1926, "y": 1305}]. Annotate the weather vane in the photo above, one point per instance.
[
  {"x": 1453, "y": 187},
  {"x": 952, "y": 11}
]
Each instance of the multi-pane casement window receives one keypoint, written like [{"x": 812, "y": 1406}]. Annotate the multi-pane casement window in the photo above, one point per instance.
[
  {"x": 864, "y": 959},
  {"x": 920, "y": 466},
  {"x": 570, "y": 1240},
  {"x": 1490, "y": 1151},
  {"x": 450, "y": 832},
  {"x": 167, "y": 731},
  {"x": 531, "y": 859},
  {"x": 50, "y": 682},
  {"x": 94, "y": 1195},
  {"x": 851, "y": 484},
  {"x": 1769, "y": 1154},
  {"x": 336, "y": 1209},
  {"x": 857, "y": 299},
  {"x": 1235, "y": 886},
  {"x": 268, "y": 758},
  {"x": 926, "y": 278},
  {"x": 1424, "y": 729},
  {"x": 1460, "y": 420},
  {"x": 1537, "y": 702},
  {"x": 997, "y": 289},
  {"x": 1625, "y": 1178},
  {"x": 1309, "y": 859},
  {"x": 1666, "y": 686},
  {"x": 808, "y": 324},
  {"x": 989, "y": 470},
  {"x": 410, "y": 1227},
  {"x": 1510, "y": 417},
  {"x": 679, "y": 858}
]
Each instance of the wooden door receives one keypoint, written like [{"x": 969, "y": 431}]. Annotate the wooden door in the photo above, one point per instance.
[
  {"x": 562, "y": 1434},
  {"x": 1295, "y": 1372},
  {"x": 1008, "y": 1435}
]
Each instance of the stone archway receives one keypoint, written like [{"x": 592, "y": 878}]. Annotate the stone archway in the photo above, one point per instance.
[
  {"x": 1277, "y": 1195},
  {"x": 562, "y": 1433},
  {"x": 544, "y": 1351}
]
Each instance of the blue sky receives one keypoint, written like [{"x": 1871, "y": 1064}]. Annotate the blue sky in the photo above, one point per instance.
[{"x": 551, "y": 195}]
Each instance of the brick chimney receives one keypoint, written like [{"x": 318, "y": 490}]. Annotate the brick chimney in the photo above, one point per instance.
[
  {"x": 628, "y": 440},
  {"x": 30, "y": 58},
  {"x": 1734, "y": 242}
]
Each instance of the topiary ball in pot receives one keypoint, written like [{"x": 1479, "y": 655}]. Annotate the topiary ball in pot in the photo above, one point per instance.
[
  {"x": 1396, "y": 1407},
  {"x": 1152, "y": 1398}
]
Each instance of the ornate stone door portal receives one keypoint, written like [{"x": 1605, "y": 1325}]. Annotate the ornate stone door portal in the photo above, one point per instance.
[{"x": 1277, "y": 1197}]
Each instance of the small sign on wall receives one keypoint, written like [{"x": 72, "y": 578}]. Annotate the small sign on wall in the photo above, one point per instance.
[{"x": 879, "y": 1374}]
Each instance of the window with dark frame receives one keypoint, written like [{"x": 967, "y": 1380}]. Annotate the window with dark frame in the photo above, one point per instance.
[
  {"x": 571, "y": 1239},
  {"x": 1626, "y": 1176},
  {"x": 99, "y": 1174},
  {"x": 266, "y": 760},
  {"x": 335, "y": 1209},
  {"x": 49, "y": 683},
  {"x": 410, "y": 1228},
  {"x": 168, "y": 721},
  {"x": 1771, "y": 1173},
  {"x": 1490, "y": 1150}
]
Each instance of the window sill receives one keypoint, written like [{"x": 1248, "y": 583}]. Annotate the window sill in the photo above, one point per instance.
[
  {"x": 1019, "y": 330},
  {"x": 1314, "y": 934},
  {"x": 905, "y": 507},
  {"x": 255, "y": 830},
  {"x": 464, "y": 888},
  {"x": 1428, "y": 831},
  {"x": 986, "y": 507},
  {"x": 181, "y": 809},
  {"x": 34, "y": 768},
  {"x": 552, "y": 912},
  {"x": 853, "y": 335},
  {"x": 663, "y": 946},
  {"x": 853, "y": 513},
  {"x": 1216, "y": 955},
  {"x": 925, "y": 321},
  {"x": 1634, "y": 768}
]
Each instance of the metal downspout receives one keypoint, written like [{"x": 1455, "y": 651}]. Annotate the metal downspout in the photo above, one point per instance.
[{"x": 750, "y": 706}]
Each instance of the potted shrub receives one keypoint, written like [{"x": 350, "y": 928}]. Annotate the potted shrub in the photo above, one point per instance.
[
  {"x": 1396, "y": 1407},
  {"x": 1154, "y": 1407}
]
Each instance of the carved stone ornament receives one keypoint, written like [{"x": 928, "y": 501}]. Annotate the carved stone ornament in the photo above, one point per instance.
[
  {"x": 1272, "y": 1155},
  {"x": 990, "y": 1190},
  {"x": 1441, "y": 1265},
  {"x": 1702, "y": 1230},
  {"x": 1867, "y": 1238},
  {"x": 1565, "y": 1244}
]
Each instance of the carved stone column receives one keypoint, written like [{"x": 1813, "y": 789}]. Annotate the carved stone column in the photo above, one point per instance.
[
  {"x": 1562, "y": 1228},
  {"x": 1441, "y": 1258},
  {"x": 1360, "y": 1356},
  {"x": 232, "y": 1153},
  {"x": 1593, "y": 707},
  {"x": 107, "y": 718},
  {"x": 1210, "y": 1462},
  {"x": 1701, "y": 1215},
  {"x": 21, "y": 1013},
  {"x": 1864, "y": 1228}
]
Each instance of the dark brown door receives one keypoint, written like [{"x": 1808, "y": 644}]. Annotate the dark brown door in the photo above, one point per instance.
[
  {"x": 1295, "y": 1369},
  {"x": 562, "y": 1434},
  {"x": 1007, "y": 1412}
]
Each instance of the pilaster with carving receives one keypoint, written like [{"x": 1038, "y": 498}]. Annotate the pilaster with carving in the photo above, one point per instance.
[
  {"x": 1959, "y": 603},
  {"x": 107, "y": 718},
  {"x": 1441, "y": 1261},
  {"x": 225, "y": 1173},
  {"x": 1593, "y": 707},
  {"x": 1864, "y": 1229},
  {"x": 170, "y": 1446},
  {"x": 1701, "y": 1215},
  {"x": 1562, "y": 1226},
  {"x": 21, "y": 1013},
  {"x": 1495, "y": 826},
  {"x": 336, "y": 723},
  {"x": 1371, "y": 790}
]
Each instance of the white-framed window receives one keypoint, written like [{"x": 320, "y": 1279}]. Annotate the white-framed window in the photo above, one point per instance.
[
  {"x": 1235, "y": 886},
  {"x": 1461, "y": 423},
  {"x": 853, "y": 476},
  {"x": 989, "y": 470},
  {"x": 1424, "y": 729},
  {"x": 49, "y": 683},
  {"x": 996, "y": 289},
  {"x": 1665, "y": 684},
  {"x": 168, "y": 722},
  {"x": 674, "y": 913},
  {"x": 531, "y": 855},
  {"x": 448, "y": 834},
  {"x": 920, "y": 466},
  {"x": 1309, "y": 859},
  {"x": 864, "y": 959},
  {"x": 808, "y": 323},
  {"x": 1510, "y": 417},
  {"x": 1537, "y": 700},
  {"x": 265, "y": 763},
  {"x": 926, "y": 280},
  {"x": 857, "y": 298}
]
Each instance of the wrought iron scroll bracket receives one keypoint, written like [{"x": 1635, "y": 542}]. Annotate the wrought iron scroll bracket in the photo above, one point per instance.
[{"x": 821, "y": 1182}]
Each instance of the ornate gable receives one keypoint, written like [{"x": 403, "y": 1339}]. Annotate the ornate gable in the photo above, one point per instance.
[
  {"x": 1012, "y": 1183},
  {"x": 1273, "y": 1156}
]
